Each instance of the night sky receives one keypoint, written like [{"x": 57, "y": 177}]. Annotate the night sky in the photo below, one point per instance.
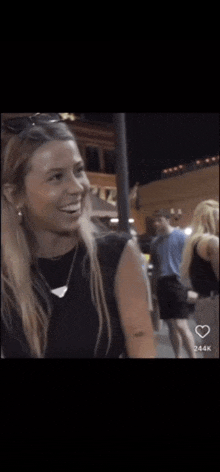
[{"x": 156, "y": 141}]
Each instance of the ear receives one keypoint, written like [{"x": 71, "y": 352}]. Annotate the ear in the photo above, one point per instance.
[{"x": 9, "y": 192}]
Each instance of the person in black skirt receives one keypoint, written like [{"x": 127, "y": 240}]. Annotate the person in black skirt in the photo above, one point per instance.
[
  {"x": 68, "y": 291},
  {"x": 170, "y": 294}
]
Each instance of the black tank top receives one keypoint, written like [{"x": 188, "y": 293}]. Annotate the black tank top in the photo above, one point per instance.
[
  {"x": 74, "y": 322},
  {"x": 202, "y": 276}
]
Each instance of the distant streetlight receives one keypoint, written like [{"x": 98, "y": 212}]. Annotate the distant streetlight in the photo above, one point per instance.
[
  {"x": 116, "y": 220},
  {"x": 188, "y": 231}
]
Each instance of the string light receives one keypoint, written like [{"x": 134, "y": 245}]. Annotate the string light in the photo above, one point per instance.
[{"x": 198, "y": 162}]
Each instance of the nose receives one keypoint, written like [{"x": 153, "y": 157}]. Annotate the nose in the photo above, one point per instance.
[{"x": 74, "y": 186}]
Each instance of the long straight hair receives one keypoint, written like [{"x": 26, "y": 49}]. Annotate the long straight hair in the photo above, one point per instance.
[
  {"x": 204, "y": 223},
  {"x": 20, "y": 284}
]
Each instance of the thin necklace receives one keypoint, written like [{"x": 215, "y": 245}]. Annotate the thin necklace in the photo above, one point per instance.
[{"x": 61, "y": 291}]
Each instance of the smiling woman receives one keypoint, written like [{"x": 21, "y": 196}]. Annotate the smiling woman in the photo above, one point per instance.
[
  {"x": 65, "y": 288},
  {"x": 54, "y": 197}
]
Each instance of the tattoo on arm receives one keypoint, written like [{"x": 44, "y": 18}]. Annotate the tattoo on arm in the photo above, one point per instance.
[{"x": 139, "y": 334}]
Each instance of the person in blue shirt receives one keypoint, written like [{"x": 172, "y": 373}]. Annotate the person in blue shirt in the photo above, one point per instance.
[{"x": 168, "y": 292}]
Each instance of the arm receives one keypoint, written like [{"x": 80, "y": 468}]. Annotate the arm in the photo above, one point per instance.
[
  {"x": 131, "y": 296},
  {"x": 154, "y": 276},
  {"x": 147, "y": 282}
]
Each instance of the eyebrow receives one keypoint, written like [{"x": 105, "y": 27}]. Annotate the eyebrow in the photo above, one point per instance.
[{"x": 59, "y": 169}]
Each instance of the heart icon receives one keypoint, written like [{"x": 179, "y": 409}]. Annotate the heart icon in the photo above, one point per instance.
[{"x": 203, "y": 328}]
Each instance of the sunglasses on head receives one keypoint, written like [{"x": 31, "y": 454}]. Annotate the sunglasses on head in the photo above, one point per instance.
[{"x": 16, "y": 125}]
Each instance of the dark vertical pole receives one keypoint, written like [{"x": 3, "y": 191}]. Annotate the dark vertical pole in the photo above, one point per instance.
[{"x": 122, "y": 172}]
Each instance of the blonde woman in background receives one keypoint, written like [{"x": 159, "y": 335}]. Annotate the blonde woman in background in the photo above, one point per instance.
[
  {"x": 200, "y": 265},
  {"x": 67, "y": 292}
]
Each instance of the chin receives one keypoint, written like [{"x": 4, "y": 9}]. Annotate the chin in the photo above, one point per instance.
[
  {"x": 72, "y": 227},
  {"x": 66, "y": 229}
]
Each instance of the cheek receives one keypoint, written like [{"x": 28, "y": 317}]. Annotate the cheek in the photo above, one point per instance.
[{"x": 41, "y": 199}]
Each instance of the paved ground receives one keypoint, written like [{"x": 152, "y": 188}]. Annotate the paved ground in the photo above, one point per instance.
[{"x": 164, "y": 348}]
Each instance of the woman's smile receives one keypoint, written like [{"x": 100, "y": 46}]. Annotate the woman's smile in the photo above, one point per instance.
[{"x": 73, "y": 210}]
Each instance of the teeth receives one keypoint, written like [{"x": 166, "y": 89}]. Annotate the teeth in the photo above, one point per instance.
[{"x": 72, "y": 207}]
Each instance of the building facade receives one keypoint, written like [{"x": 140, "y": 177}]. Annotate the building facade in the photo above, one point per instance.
[
  {"x": 96, "y": 142},
  {"x": 179, "y": 194}
]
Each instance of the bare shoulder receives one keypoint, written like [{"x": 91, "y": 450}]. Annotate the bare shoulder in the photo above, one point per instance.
[
  {"x": 213, "y": 245},
  {"x": 207, "y": 245}
]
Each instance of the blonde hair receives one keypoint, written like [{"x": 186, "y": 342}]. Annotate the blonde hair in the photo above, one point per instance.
[
  {"x": 19, "y": 281},
  {"x": 204, "y": 223}
]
